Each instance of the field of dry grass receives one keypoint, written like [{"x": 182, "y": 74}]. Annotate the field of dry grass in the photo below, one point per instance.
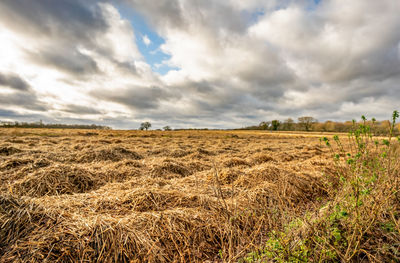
[
  {"x": 120, "y": 196},
  {"x": 159, "y": 196}
]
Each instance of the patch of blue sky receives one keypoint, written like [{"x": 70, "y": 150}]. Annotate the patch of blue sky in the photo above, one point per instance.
[
  {"x": 313, "y": 5},
  {"x": 253, "y": 16},
  {"x": 151, "y": 51}
]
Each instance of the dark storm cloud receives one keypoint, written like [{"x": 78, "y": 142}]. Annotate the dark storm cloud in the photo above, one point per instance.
[
  {"x": 208, "y": 96},
  {"x": 198, "y": 88},
  {"x": 80, "y": 109},
  {"x": 71, "y": 61},
  {"x": 167, "y": 12},
  {"x": 13, "y": 82},
  {"x": 128, "y": 67},
  {"x": 218, "y": 96},
  {"x": 74, "y": 20},
  {"x": 23, "y": 96},
  {"x": 63, "y": 28},
  {"x": 138, "y": 98},
  {"x": 215, "y": 15},
  {"x": 8, "y": 113},
  {"x": 209, "y": 102},
  {"x": 378, "y": 65},
  {"x": 23, "y": 100},
  {"x": 16, "y": 116}
]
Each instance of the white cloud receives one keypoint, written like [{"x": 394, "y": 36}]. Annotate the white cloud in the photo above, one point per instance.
[
  {"x": 119, "y": 37},
  {"x": 146, "y": 40}
]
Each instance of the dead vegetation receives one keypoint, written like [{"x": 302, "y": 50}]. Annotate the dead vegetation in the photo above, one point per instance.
[
  {"x": 113, "y": 154},
  {"x": 9, "y": 150},
  {"x": 128, "y": 196},
  {"x": 58, "y": 180}
]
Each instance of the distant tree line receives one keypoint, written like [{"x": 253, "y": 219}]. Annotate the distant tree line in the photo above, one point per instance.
[
  {"x": 40, "y": 124},
  {"x": 147, "y": 125},
  {"x": 307, "y": 123}
]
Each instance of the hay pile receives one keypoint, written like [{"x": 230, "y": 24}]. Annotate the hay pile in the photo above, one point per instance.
[
  {"x": 170, "y": 169},
  {"x": 262, "y": 158},
  {"x": 161, "y": 227},
  {"x": 34, "y": 234},
  {"x": 57, "y": 180},
  {"x": 113, "y": 154},
  {"x": 62, "y": 179}
]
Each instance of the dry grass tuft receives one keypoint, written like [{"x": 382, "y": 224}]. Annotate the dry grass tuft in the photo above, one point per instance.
[
  {"x": 41, "y": 162},
  {"x": 9, "y": 151},
  {"x": 235, "y": 162},
  {"x": 227, "y": 175},
  {"x": 14, "y": 163},
  {"x": 202, "y": 151},
  {"x": 160, "y": 200},
  {"x": 180, "y": 153},
  {"x": 262, "y": 158},
  {"x": 114, "y": 154},
  {"x": 170, "y": 169}
]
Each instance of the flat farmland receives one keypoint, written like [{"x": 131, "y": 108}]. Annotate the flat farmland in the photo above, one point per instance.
[{"x": 126, "y": 196}]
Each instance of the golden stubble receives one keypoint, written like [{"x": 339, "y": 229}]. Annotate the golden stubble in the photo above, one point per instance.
[{"x": 120, "y": 196}]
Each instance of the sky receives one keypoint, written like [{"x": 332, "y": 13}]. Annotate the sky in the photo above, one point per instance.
[{"x": 198, "y": 63}]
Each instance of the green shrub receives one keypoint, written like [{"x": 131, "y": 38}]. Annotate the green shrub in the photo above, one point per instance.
[{"x": 360, "y": 218}]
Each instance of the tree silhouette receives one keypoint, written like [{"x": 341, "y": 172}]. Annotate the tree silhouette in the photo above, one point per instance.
[
  {"x": 145, "y": 125},
  {"x": 275, "y": 125},
  {"x": 264, "y": 125}
]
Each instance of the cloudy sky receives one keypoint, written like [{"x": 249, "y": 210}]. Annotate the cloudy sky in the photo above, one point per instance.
[{"x": 198, "y": 63}]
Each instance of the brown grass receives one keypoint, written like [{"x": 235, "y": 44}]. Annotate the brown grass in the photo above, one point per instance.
[{"x": 130, "y": 196}]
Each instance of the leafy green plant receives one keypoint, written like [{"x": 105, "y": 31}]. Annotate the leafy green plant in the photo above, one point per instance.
[{"x": 361, "y": 216}]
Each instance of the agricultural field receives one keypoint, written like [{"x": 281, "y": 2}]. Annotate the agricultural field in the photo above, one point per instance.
[{"x": 135, "y": 196}]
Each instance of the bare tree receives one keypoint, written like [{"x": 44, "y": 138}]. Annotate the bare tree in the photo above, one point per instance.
[
  {"x": 288, "y": 124},
  {"x": 306, "y": 122}
]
